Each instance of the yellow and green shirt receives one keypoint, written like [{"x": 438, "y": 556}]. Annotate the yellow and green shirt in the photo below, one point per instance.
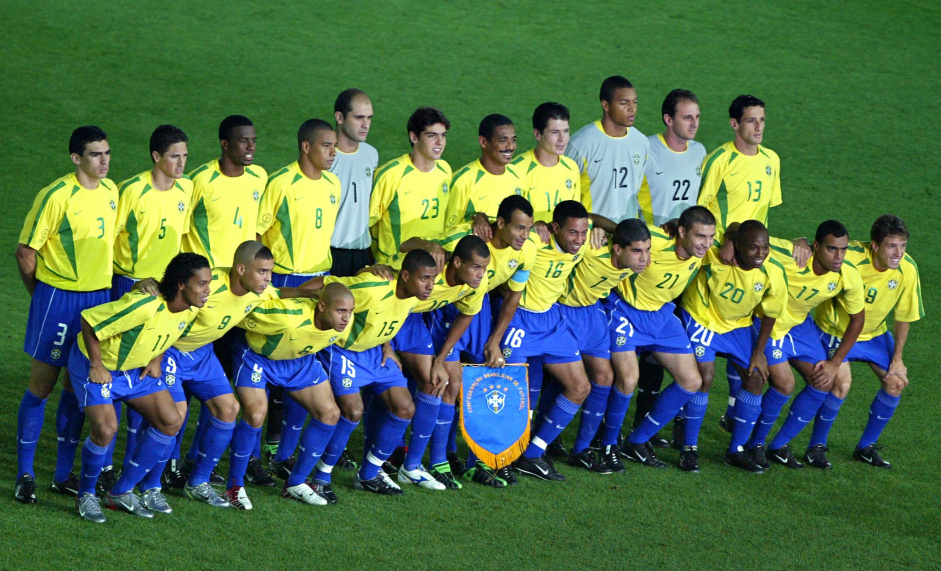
[
  {"x": 664, "y": 279},
  {"x": 545, "y": 187},
  {"x": 549, "y": 276},
  {"x": 594, "y": 277},
  {"x": 379, "y": 314},
  {"x": 474, "y": 189},
  {"x": 283, "y": 329}
]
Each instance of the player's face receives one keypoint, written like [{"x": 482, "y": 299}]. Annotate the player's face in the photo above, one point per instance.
[
  {"x": 337, "y": 313},
  {"x": 622, "y": 109},
  {"x": 830, "y": 254},
  {"x": 752, "y": 126},
  {"x": 554, "y": 138},
  {"x": 421, "y": 282},
  {"x": 685, "y": 122},
  {"x": 890, "y": 252},
  {"x": 635, "y": 257},
  {"x": 517, "y": 231},
  {"x": 501, "y": 146},
  {"x": 256, "y": 276},
  {"x": 755, "y": 252},
  {"x": 472, "y": 271},
  {"x": 95, "y": 161},
  {"x": 430, "y": 143},
  {"x": 323, "y": 150},
  {"x": 240, "y": 149},
  {"x": 698, "y": 239},
  {"x": 195, "y": 291},
  {"x": 172, "y": 162},
  {"x": 571, "y": 236},
  {"x": 355, "y": 124}
]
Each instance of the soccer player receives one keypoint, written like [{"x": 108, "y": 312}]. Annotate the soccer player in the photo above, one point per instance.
[
  {"x": 891, "y": 282},
  {"x": 600, "y": 270},
  {"x": 478, "y": 188},
  {"x": 410, "y": 195},
  {"x": 354, "y": 165},
  {"x": 641, "y": 318},
  {"x": 64, "y": 257},
  {"x": 718, "y": 309},
  {"x": 281, "y": 344},
  {"x": 363, "y": 357},
  {"x": 117, "y": 357},
  {"x": 795, "y": 341}
]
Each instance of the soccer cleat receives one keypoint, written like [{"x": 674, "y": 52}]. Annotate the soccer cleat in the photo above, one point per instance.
[
  {"x": 760, "y": 456},
  {"x": 270, "y": 449},
  {"x": 346, "y": 462},
  {"x": 816, "y": 456},
  {"x": 89, "y": 507},
  {"x": 389, "y": 481},
  {"x": 679, "y": 433},
  {"x": 481, "y": 474},
  {"x": 216, "y": 479},
  {"x": 783, "y": 455},
  {"x": 155, "y": 501},
  {"x": 611, "y": 456},
  {"x": 420, "y": 478},
  {"x": 67, "y": 487},
  {"x": 256, "y": 474},
  {"x": 106, "y": 480},
  {"x": 128, "y": 502},
  {"x": 443, "y": 474},
  {"x": 742, "y": 459},
  {"x": 397, "y": 458},
  {"x": 283, "y": 468},
  {"x": 325, "y": 491},
  {"x": 556, "y": 449},
  {"x": 689, "y": 459},
  {"x": 507, "y": 474},
  {"x": 869, "y": 455},
  {"x": 725, "y": 423},
  {"x": 378, "y": 485},
  {"x": 173, "y": 477},
  {"x": 457, "y": 465},
  {"x": 588, "y": 460},
  {"x": 205, "y": 493},
  {"x": 538, "y": 468},
  {"x": 658, "y": 441},
  {"x": 642, "y": 453},
  {"x": 304, "y": 493},
  {"x": 238, "y": 498},
  {"x": 25, "y": 489}
]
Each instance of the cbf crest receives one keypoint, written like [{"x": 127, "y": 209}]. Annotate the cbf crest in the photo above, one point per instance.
[
  {"x": 831, "y": 286},
  {"x": 368, "y": 171},
  {"x": 106, "y": 391},
  {"x": 768, "y": 170},
  {"x": 255, "y": 196},
  {"x": 333, "y": 199},
  {"x": 113, "y": 205},
  {"x": 444, "y": 187},
  {"x": 636, "y": 159},
  {"x": 496, "y": 398},
  {"x": 512, "y": 264},
  {"x": 893, "y": 284},
  {"x": 181, "y": 206},
  {"x": 759, "y": 287},
  {"x": 568, "y": 183}
]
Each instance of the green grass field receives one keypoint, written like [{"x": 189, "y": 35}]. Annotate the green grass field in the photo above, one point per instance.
[{"x": 850, "y": 91}]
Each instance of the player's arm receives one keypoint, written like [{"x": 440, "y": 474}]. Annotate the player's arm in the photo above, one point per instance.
[
  {"x": 492, "y": 352},
  {"x": 825, "y": 371},
  {"x": 897, "y": 366},
  {"x": 758, "y": 363},
  {"x": 439, "y": 373},
  {"x": 153, "y": 369},
  {"x": 430, "y": 246},
  {"x": 26, "y": 262},
  {"x": 97, "y": 373},
  {"x": 389, "y": 353}
]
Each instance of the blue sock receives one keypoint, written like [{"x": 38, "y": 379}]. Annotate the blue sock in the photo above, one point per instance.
[
  {"x": 178, "y": 439},
  {"x": 535, "y": 383},
  {"x": 291, "y": 426},
  {"x": 28, "y": 427},
  {"x": 771, "y": 404},
  {"x": 746, "y": 412},
  {"x": 151, "y": 479},
  {"x": 93, "y": 460},
  {"x": 824, "y": 420},
  {"x": 880, "y": 412},
  {"x": 618, "y": 403},
  {"x": 336, "y": 446},
  {"x": 452, "y": 433},
  {"x": 373, "y": 412},
  {"x": 69, "y": 422},
  {"x": 735, "y": 384},
  {"x": 153, "y": 447},
  {"x": 592, "y": 414},
  {"x": 423, "y": 424},
  {"x": 547, "y": 398},
  {"x": 202, "y": 424},
  {"x": 438, "y": 450},
  {"x": 243, "y": 440},
  {"x": 256, "y": 449},
  {"x": 471, "y": 459},
  {"x": 803, "y": 410},
  {"x": 109, "y": 457},
  {"x": 695, "y": 413},
  {"x": 215, "y": 439},
  {"x": 379, "y": 450},
  {"x": 670, "y": 400},
  {"x": 559, "y": 416},
  {"x": 314, "y": 440},
  {"x": 134, "y": 433}
]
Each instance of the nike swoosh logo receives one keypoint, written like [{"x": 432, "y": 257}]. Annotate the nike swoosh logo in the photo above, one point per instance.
[
  {"x": 799, "y": 419},
  {"x": 598, "y": 160},
  {"x": 733, "y": 173},
  {"x": 379, "y": 453},
  {"x": 133, "y": 463},
  {"x": 877, "y": 416},
  {"x": 77, "y": 213},
  {"x": 660, "y": 172},
  {"x": 215, "y": 199},
  {"x": 296, "y": 199},
  {"x": 142, "y": 212},
  {"x": 541, "y": 471},
  {"x": 424, "y": 436},
  {"x": 407, "y": 192},
  {"x": 297, "y": 427}
]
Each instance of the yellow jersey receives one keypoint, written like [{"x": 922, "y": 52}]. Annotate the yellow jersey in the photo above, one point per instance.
[
  {"x": 549, "y": 276},
  {"x": 379, "y": 314},
  {"x": 594, "y": 278},
  {"x": 474, "y": 189},
  {"x": 664, "y": 279},
  {"x": 283, "y": 329},
  {"x": 545, "y": 187}
]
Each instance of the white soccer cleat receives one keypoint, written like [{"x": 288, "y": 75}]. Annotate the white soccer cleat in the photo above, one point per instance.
[
  {"x": 420, "y": 478},
  {"x": 303, "y": 493}
]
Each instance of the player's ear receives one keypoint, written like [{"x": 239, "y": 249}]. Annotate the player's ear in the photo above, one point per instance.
[
  {"x": 155, "y": 156},
  {"x": 537, "y": 134},
  {"x": 338, "y": 115},
  {"x": 321, "y": 306},
  {"x": 413, "y": 138},
  {"x": 76, "y": 158},
  {"x": 305, "y": 147},
  {"x": 734, "y": 124},
  {"x": 483, "y": 142}
]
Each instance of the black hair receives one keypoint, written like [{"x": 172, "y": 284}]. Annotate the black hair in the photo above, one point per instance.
[
  {"x": 612, "y": 84},
  {"x": 417, "y": 259},
  {"x": 568, "y": 209},
  {"x": 741, "y": 103},
  {"x": 179, "y": 271},
  {"x": 230, "y": 124},
  {"x": 547, "y": 111},
  {"x": 695, "y": 214},
  {"x": 309, "y": 129},
  {"x": 425, "y": 117},
  {"x": 511, "y": 204},
  {"x": 344, "y": 102},
  {"x": 488, "y": 125},
  {"x": 629, "y": 231},
  {"x": 830, "y": 228},
  {"x": 84, "y": 135},
  {"x": 888, "y": 225},
  {"x": 164, "y": 136},
  {"x": 470, "y": 246},
  {"x": 673, "y": 99}
]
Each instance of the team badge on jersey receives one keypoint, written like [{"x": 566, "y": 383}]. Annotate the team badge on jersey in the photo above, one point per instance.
[
  {"x": 182, "y": 325},
  {"x": 256, "y": 376},
  {"x": 700, "y": 350},
  {"x": 334, "y": 338},
  {"x": 568, "y": 183},
  {"x": 768, "y": 170},
  {"x": 698, "y": 171},
  {"x": 777, "y": 354},
  {"x": 170, "y": 380},
  {"x": 347, "y": 382},
  {"x": 636, "y": 158},
  {"x": 105, "y": 391},
  {"x": 893, "y": 284},
  {"x": 692, "y": 266},
  {"x": 181, "y": 207},
  {"x": 512, "y": 264},
  {"x": 831, "y": 352},
  {"x": 620, "y": 341},
  {"x": 622, "y": 276},
  {"x": 518, "y": 191},
  {"x": 507, "y": 352},
  {"x": 55, "y": 354},
  {"x": 368, "y": 171},
  {"x": 831, "y": 286},
  {"x": 444, "y": 187},
  {"x": 255, "y": 196},
  {"x": 758, "y": 287},
  {"x": 113, "y": 205},
  {"x": 333, "y": 199}
]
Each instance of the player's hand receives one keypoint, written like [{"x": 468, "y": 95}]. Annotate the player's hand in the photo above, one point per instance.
[
  {"x": 153, "y": 369},
  {"x": 823, "y": 375},
  {"x": 438, "y": 253},
  {"x": 99, "y": 375},
  {"x": 802, "y": 251},
  {"x": 439, "y": 377},
  {"x": 897, "y": 367},
  {"x": 598, "y": 238},
  {"x": 148, "y": 286},
  {"x": 727, "y": 254},
  {"x": 493, "y": 354},
  {"x": 388, "y": 354},
  {"x": 758, "y": 365},
  {"x": 383, "y": 271},
  {"x": 542, "y": 230},
  {"x": 482, "y": 227},
  {"x": 670, "y": 227}
]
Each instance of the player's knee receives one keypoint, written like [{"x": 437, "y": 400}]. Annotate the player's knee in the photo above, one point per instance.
[
  {"x": 255, "y": 417},
  {"x": 604, "y": 377},
  {"x": 330, "y": 415},
  {"x": 228, "y": 410},
  {"x": 104, "y": 432},
  {"x": 894, "y": 385},
  {"x": 841, "y": 387},
  {"x": 403, "y": 409},
  {"x": 352, "y": 413},
  {"x": 706, "y": 383},
  {"x": 577, "y": 392}
]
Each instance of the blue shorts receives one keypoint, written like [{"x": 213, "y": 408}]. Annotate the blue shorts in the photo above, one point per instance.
[
  {"x": 352, "y": 370},
  {"x": 802, "y": 343},
  {"x": 198, "y": 373},
  {"x": 257, "y": 371},
  {"x": 736, "y": 345},
  {"x": 293, "y": 280},
  {"x": 631, "y": 329},
  {"x": 591, "y": 325},
  {"x": 472, "y": 343},
  {"x": 120, "y": 285},
  {"x": 55, "y": 321},
  {"x": 878, "y": 350},
  {"x": 124, "y": 385},
  {"x": 546, "y": 334},
  {"x": 414, "y": 336}
]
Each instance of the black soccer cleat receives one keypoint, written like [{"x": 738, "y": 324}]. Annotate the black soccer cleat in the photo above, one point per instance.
[
  {"x": 106, "y": 480},
  {"x": 783, "y": 455},
  {"x": 508, "y": 475},
  {"x": 346, "y": 462},
  {"x": 611, "y": 456},
  {"x": 283, "y": 468},
  {"x": 173, "y": 477},
  {"x": 25, "y": 489},
  {"x": 760, "y": 455},
  {"x": 656, "y": 441},
  {"x": 870, "y": 455},
  {"x": 556, "y": 449},
  {"x": 256, "y": 474},
  {"x": 725, "y": 423},
  {"x": 67, "y": 487},
  {"x": 642, "y": 453},
  {"x": 588, "y": 460},
  {"x": 378, "y": 485},
  {"x": 689, "y": 459},
  {"x": 742, "y": 459},
  {"x": 325, "y": 491},
  {"x": 538, "y": 468},
  {"x": 457, "y": 465},
  {"x": 816, "y": 456},
  {"x": 679, "y": 433}
]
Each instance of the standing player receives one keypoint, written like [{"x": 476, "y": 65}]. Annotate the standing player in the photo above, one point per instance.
[
  {"x": 478, "y": 188},
  {"x": 891, "y": 282},
  {"x": 64, "y": 256},
  {"x": 117, "y": 357},
  {"x": 410, "y": 196},
  {"x": 355, "y": 164}
]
